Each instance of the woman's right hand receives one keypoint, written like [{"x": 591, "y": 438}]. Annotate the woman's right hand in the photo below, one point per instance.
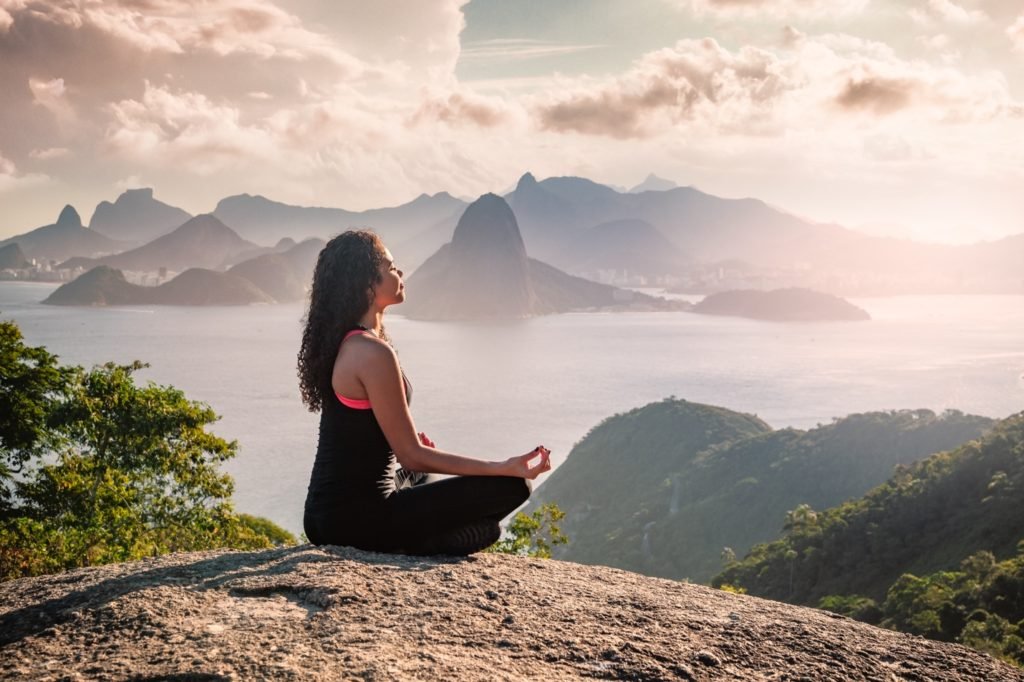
[{"x": 523, "y": 466}]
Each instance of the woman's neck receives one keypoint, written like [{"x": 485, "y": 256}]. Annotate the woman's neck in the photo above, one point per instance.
[{"x": 373, "y": 320}]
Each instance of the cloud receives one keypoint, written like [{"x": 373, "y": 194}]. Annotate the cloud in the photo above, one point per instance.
[
  {"x": 460, "y": 107},
  {"x": 49, "y": 153},
  {"x": 699, "y": 87},
  {"x": 224, "y": 27},
  {"x": 697, "y": 80},
  {"x": 948, "y": 12},
  {"x": 877, "y": 94},
  {"x": 185, "y": 130},
  {"x": 1016, "y": 33},
  {"x": 774, "y": 8},
  {"x": 11, "y": 180}
]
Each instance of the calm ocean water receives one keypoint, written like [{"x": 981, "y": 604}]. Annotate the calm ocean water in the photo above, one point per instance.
[{"x": 495, "y": 390}]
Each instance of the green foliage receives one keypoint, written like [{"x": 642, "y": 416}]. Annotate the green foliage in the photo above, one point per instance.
[
  {"x": 923, "y": 520},
  {"x": 853, "y": 606},
  {"x": 108, "y": 470},
  {"x": 533, "y": 534},
  {"x": 979, "y": 605},
  {"x": 277, "y": 536},
  {"x": 30, "y": 379}
]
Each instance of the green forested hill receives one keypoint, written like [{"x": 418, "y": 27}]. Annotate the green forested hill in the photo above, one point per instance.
[
  {"x": 927, "y": 517},
  {"x": 603, "y": 486},
  {"x": 664, "y": 489}
]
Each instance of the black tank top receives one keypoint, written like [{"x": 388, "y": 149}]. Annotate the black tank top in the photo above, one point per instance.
[{"x": 355, "y": 465}]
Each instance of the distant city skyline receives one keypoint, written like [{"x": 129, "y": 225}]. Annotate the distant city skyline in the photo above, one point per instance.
[{"x": 898, "y": 117}]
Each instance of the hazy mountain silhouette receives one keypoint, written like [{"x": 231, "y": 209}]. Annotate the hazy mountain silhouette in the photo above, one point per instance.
[
  {"x": 11, "y": 256},
  {"x": 781, "y": 305},
  {"x": 484, "y": 272},
  {"x": 203, "y": 241},
  {"x": 284, "y": 276},
  {"x": 104, "y": 285},
  {"x": 555, "y": 218},
  {"x": 64, "y": 239},
  {"x": 653, "y": 184},
  {"x": 412, "y": 230},
  {"x": 633, "y": 246},
  {"x": 136, "y": 217}
]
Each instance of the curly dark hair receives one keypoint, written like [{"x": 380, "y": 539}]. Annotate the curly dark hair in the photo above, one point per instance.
[{"x": 346, "y": 270}]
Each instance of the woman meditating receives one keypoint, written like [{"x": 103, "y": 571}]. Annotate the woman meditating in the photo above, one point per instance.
[{"x": 350, "y": 373}]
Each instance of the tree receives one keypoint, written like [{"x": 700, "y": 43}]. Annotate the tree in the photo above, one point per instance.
[
  {"x": 109, "y": 470},
  {"x": 533, "y": 535},
  {"x": 30, "y": 378}
]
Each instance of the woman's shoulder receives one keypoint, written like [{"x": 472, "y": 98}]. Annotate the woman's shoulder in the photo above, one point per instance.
[{"x": 368, "y": 347}]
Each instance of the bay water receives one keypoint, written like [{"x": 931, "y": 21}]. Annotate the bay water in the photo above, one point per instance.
[{"x": 493, "y": 390}]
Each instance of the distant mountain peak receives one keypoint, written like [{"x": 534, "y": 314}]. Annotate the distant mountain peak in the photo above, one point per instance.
[
  {"x": 132, "y": 194},
  {"x": 526, "y": 181},
  {"x": 487, "y": 227},
  {"x": 654, "y": 183},
  {"x": 69, "y": 217}
]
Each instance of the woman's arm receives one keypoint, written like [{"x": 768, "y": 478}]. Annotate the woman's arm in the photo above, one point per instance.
[{"x": 381, "y": 376}]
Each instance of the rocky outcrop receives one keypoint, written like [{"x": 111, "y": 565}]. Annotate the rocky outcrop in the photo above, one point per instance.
[{"x": 338, "y": 613}]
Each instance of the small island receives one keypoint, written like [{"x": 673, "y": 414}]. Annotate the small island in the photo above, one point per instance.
[
  {"x": 781, "y": 305},
  {"x": 104, "y": 285}
]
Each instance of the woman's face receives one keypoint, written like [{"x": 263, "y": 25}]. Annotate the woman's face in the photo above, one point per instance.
[{"x": 389, "y": 289}]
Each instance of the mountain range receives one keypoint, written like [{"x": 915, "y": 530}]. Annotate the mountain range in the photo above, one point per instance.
[{"x": 678, "y": 236}]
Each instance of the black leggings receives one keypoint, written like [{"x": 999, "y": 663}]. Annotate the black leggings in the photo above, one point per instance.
[{"x": 457, "y": 516}]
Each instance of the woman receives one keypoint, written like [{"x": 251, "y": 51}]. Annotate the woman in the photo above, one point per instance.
[{"x": 349, "y": 372}]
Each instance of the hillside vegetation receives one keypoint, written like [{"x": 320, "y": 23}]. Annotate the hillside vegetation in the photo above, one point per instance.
[{"x": 670, "y": 488}]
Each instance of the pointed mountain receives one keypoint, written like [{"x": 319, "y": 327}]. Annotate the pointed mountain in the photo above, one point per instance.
[
  {"x": 12, "y": 257},
  {"x": 653, "y": 184},
  {"x": 69, "y": 218},
  {"x": 136, "y": 217},
  {"x": 203, "y": 241},
  {"x": 64, "y": 239},
  {"x": 484, "y": 273}
]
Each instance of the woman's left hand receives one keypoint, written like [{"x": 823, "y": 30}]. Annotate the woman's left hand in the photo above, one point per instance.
[{"x": 426, "y": 441}]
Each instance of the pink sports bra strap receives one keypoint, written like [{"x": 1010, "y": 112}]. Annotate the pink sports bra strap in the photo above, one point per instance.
[{"x": 354, "y": 403}]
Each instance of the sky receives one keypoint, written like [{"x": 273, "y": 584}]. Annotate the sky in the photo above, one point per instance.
[{"x": 898, "y": 117}]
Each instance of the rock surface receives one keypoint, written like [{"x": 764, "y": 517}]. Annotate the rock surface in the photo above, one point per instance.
[{"x": 339, "y": 613}]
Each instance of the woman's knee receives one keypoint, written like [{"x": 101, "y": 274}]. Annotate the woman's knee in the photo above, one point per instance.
[{"x": 516, "y": 488}]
